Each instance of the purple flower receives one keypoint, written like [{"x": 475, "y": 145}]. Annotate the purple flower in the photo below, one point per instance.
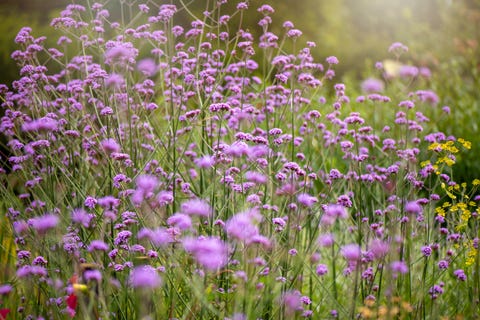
[
  {"x": 159, "y": 236},
  {"x": 120, "y": 52},
  {"x": 336, "y": 210},
  {"x": 242, "y": 6},
  {"x": 23, "y": 254},
  {"x": 41, "y": 124},
  {"x": 81, "y": 217},
  {"x": 145, "y": 277},
  {"x": 122, "y": 237},
  {"x": 90, "y": 202},
  {"x": 326, "y": 240},
  {"x": 44, "y": 223},
  {"x": 443, "y": 264},
  {"x": 256, "y": 177},
  {"x": 219, "y": 107},
  {"x": 209, "y": 252},
  {"x": 406, "y": 71},
  {"x": 426, "y": 251},
  {"x": 26, "y": 271},
  {"x": 428, "y": 96},
  {"x": 110, "y": 146},
  {"x": 146, "y": 184},
  {"x": 413, "y": 207},
  {"x": 147, "y": 66},
  {"x": 332, "y": 60},
  {"x": 280, "y": 222},
  {"x": 40, "y": 261},
  {"x": 20, "y": 226},
  {"x": 397, "y": 47},
  {"x": 322, "y": 269},
  {"x": 180, "y": 220},
  {"x": 292, "y": 302},
  {"x": 205, "y": 162},
  {"x": 460, "y": 274},
  {"x": 398, "y": 267},
  {"x": 372, "y": 85},
  {"x": 144, "y": 8},
  {"x": 115, "y": 80},
  {"x": 97, "y": 245},
  {"x": 294, "y": 33},
  {"x": 95, "y": 275},
  {"x": 351, "y": 252},
  {"x": 266, "y": 9},
  {"x": 306, "y": 200},
  {"x": 166, "y": 12},
  {"x": 379, "y": 248},
  {"x": 196, "y": 207},
  {"x": 242, "y": 226},
  {"x": 435, "y": 291},
  {"x": 164, "y": 198},
  {"x": 108, "y": 202},
  {"x": 5, "y": 289},
  {"x": 239, "y": 316}
]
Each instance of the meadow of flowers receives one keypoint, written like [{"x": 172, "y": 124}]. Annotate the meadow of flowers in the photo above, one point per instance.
[{"x": 199, "y": 172}]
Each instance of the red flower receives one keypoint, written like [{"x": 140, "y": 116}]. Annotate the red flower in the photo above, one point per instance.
[
  {"x": 4, "y": 313},
  {"x": 71, "y": 304}
]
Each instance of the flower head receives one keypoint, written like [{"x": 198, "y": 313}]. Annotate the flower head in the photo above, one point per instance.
[
  {"x": 351, "y": 252},
  {"x": 196, "y": 207},
  {"x": 145, "y": 276},
  {"x": 210, "y": 252},
  {"x": 44, "y": 223},
  {"x": 372, "y": 85}
]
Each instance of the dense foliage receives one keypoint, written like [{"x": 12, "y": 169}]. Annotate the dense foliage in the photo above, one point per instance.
[{"x": 199, "y": 171}]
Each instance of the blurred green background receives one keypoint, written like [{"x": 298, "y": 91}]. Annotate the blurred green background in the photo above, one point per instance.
[{"x": 442, "y": 35}]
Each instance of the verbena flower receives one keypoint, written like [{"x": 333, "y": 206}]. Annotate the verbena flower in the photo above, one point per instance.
[
  {"x": 351, "y": 252},
  {"x": 145, "y": 277},
  {"x": 243, "y": 226},
  {"x": 413, "y": 207},
  {"x": 460, "y": 274},
  {"x": 196, "y": 207},
  {"x": 44, "y": 223},
  {"x": 180, "y": 220},
  {"x": 398, "y": 267},
  {"x": 372, "y": 85},
  {"x": 209, "y": 252},
  {"x": 5, "y": 289},
  {"x": 98, "y": 245}
]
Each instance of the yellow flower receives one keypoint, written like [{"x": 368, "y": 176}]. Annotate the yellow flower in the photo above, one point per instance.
[
  {"x": 79, "y": 287},
  {"x": 471, "y": 255},
  {"x": 466, "y": 144},
  {"x": 440, "y": 211},
  {"x": 435, "y": 146},
  {"x": 424, "y": 163}
]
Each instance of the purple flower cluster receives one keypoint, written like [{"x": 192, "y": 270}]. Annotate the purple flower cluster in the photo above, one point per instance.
[{"x": 211, "y": 158}]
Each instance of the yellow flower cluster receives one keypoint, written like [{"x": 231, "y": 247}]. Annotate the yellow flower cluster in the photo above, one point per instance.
[
  {"x": 463, "y": 207},
  {"x": 466, "y": 144},
  {"x": 458, "y": 211},
  {"x": 471, "y": 254},
  {"x": 448, "y": 146},
  {"x": 448, "y": 150}
]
